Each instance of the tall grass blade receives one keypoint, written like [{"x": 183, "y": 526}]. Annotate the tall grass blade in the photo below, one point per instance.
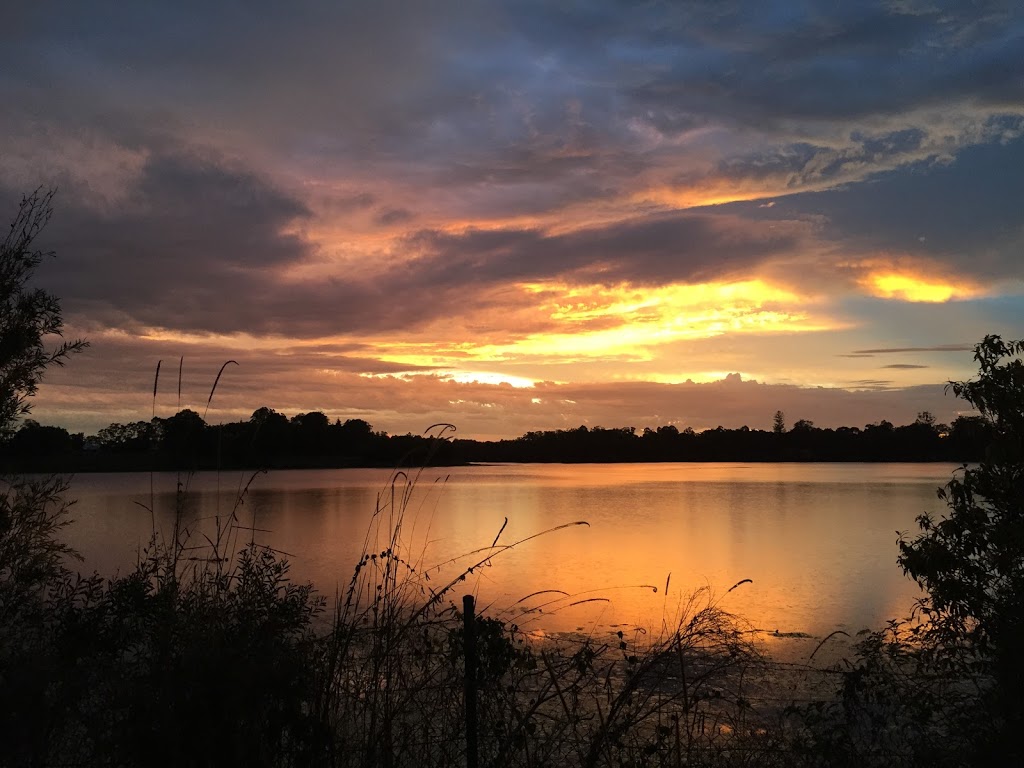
[
  {"x": 214, "y": 387},
  {"x": 739, "y": 583}
]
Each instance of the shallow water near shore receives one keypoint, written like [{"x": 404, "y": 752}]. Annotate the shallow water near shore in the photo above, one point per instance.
[{"x": 817, "y": 541}]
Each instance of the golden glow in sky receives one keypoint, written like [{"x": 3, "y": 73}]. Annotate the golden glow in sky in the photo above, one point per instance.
[
  {"x": 628, "y": 322},
  {"x": 908, "y": 287}
]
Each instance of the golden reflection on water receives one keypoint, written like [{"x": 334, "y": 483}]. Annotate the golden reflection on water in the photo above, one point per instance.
[{"x": 818, "y": 541}]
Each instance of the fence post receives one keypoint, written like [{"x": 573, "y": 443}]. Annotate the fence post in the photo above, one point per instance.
[{"x": 469, "y": 629}]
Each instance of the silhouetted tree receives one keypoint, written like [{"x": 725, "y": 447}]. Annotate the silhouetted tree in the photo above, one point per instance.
[
  {"x": 971, "y": 562},
  {"x": 779, "y": 423},
  {"x": 310, "y": 433},
  {"x": 968, "y": 437},
  {"x": 181, "y": 437},
  {"x": 270, "y": 434},
  {"x": 355, "y": 437},
  {"x": 136, "y": 436},
  {"x": 32, "y": 439},
  {"x": 27, "y": 316}
]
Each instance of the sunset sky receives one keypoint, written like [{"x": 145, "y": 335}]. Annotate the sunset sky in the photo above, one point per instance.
[{"x": 521, "y": 215}]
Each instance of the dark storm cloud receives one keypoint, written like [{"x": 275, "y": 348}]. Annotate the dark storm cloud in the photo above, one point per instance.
[{"x": 783, "y": 60}]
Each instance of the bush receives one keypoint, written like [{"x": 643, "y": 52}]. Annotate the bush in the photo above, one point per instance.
[{"x": 944, "y": 686}]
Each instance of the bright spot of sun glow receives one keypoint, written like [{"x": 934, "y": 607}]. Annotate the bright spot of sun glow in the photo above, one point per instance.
[{"x": 894, "y": 285}]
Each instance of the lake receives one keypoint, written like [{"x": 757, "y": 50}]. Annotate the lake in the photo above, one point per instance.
[{"x": 818, "y": 541}]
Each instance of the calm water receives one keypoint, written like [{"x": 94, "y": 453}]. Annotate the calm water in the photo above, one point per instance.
[{"x": 818, "y": 540}]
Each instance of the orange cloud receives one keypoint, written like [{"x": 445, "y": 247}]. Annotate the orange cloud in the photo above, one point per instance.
[{"x": 916, "y": 286}]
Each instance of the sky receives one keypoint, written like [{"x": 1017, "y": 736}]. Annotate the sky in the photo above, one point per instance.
[{"x": 524, "y": 215}]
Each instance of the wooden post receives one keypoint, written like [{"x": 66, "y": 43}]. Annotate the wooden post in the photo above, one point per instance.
[{"x": 469, "y": 624}]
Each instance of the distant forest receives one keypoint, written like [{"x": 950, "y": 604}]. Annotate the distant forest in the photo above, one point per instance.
[{"x": 271, "y": 440}]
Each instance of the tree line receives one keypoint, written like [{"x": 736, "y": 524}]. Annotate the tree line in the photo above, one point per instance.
[{"x": 270, "y": 439}]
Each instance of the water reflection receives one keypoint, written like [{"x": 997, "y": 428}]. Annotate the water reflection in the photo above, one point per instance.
[{"x": 818, "y": 541}]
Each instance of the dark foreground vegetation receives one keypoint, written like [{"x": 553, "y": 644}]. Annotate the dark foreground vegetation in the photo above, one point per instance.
[
  {"x": 207, "y": 654},
  {"x": 271, "y": 440}
]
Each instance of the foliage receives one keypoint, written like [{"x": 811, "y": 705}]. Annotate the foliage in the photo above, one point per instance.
[
  {"x": 971, "y": 562},
  {"x": 213, "y": 665},
  {"x": 32, "y": 514},
  {"x": 779, "y": 423},
  {"x": 891, "y": 710},
  {"x": 943, "y": 687},
  {"x": 27, "y": 316},
  {"x": 205, "y": 649}
]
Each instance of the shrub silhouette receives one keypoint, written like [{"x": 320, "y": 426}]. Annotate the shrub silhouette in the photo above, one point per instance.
[
  {"x": 943, "y": 687},
  {"x": 971, "y": 562}
]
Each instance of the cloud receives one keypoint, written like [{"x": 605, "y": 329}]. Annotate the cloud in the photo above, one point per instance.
[
  {"x": 655, "y": 249},
  {"x": 899, "y": 211},
  {"x": 837, "y": 63},
  {"x": 187, "y": 249},
  {"x": 904, "y": 366},
  {"x": 935, "y": 348},
  {"x": 351, "y": 202},
  {"x": 390, "y": 216}
]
